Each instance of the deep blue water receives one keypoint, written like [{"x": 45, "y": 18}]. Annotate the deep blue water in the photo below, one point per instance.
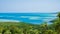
[{"x": 34, "y": 18}]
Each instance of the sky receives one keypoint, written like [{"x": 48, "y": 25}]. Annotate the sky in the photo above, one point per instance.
[{"x": 29, "y": 6}]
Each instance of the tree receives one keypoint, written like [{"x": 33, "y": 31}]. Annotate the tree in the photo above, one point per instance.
[{"x": 56, "y": 23}]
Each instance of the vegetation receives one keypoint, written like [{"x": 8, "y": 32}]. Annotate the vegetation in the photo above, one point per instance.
[{"x": 24, "y": 28}]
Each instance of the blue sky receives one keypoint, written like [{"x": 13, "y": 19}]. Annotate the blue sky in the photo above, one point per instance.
[{"x": 24, "y": 6}]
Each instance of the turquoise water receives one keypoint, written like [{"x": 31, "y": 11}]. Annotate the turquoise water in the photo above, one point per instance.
[{"x": 34, "y": 18}]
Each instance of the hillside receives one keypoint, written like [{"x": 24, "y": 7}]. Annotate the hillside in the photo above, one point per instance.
[{"x": 27, "y": 28}]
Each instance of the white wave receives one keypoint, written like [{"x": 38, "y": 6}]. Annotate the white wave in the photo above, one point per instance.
[
  {"x": 34, "y": 18},
  {"x": 6, "y": 20},
  {"x": 31, "y": 17},
  {"x": 47, "y": 20},
  {"x": 25, "y": 16},
  {"x": 54, "y": 15},
  {"x": 48, "y": 17}
]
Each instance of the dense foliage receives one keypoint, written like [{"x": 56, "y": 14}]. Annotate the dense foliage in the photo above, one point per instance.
[{"x": 24, "y": 28}]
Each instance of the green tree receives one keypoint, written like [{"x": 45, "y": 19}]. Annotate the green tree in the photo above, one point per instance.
[{"x": 56, "y": 23}]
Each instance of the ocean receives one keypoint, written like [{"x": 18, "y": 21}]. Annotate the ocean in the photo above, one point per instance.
[{"x": 33, "y": 18}]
